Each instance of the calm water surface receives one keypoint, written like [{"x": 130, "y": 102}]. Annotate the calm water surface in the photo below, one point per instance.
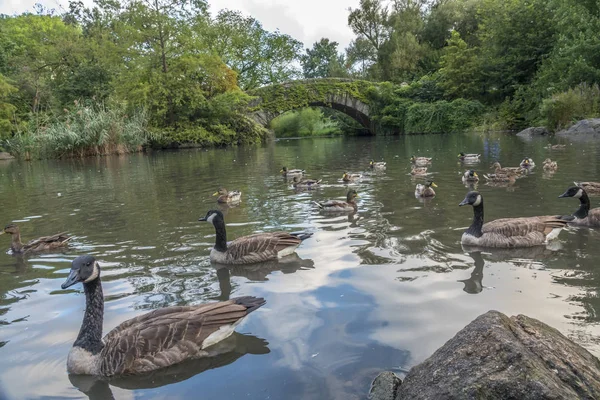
[{"x": 380, "y": 290}]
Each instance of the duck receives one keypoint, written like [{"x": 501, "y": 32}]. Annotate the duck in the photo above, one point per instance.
[
  {"x": 228, "y": 197},
  {"x": 426, "y": 189},
  {"x": 550, "y": 165},
  {"x": 420, "y": 161},
  {"x": 468, "y": 157},
  {"x": 45, "y": 243},
  {"x": 377, "y": 165},
  {"x": 498, "y": 169},
  {"x": 305, "y": 183},
  {"x": 508, "y": 232},
  {"x": 290, "y": 173},
  {"x": 340, "y": 206},
  {"x": 418, "y": 170},
  {"x": 253, "y": 248},
  {"x": 501, "y": 178},
  {"x": 527, "y": 163},
  {"x": 350, "y": 177},
  {"x": 151, "y": 341},
  {"x": 470, "y": 176},
  {"x": 583, "y": 216},
  {"x": 590, "y": 187},
  {"x": 556, "y": 146}
]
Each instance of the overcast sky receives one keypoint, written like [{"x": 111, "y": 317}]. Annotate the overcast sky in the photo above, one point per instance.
[{"x": 305, "y": 20}]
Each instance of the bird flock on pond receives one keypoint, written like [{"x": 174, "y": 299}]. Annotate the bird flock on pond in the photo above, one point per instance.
[{"x": 170, "y": 335}]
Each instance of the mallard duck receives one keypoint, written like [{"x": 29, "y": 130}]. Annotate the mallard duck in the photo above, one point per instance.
[
  {"x": 350, "y": 177},
  {"x": 550, "y": 165},
  {"x": 527, "y": 163},
  {"x": 418, "y": 170},
  {"x": 469, "y": 157},
  {"x": 290, "y": 173},
  {"x": 425, "y": 190},
  {"x": 508, "y": 232},
  {"x": 158, "y": 339},
  {"x": 583, "y": 216},
  {"x": 340, "y": 206},
  {"x": 590, "y": 187},
  {"x": 377, "y": 165},
  {"x": 228, "y": 197},
  {"x": 44, "y": 243},
  {"x": 470, "y": 176},
  {"x": 556, "y": 147},
  {"x": 253, "y": 248},
  {"x": 420, "y": 161},
  {"x": 498, "y": 169},
  {"x": 306, "y": 183},
  {"x": 501, "y": 177}
]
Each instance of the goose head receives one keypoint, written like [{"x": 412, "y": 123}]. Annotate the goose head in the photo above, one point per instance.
[
  {"x": 352, "y": 194},
  {"x": 83, "y": 269},
  {"x": 573, "y": 191},
  {"x": 472, "y": 198},
  {"x": 211, "y": 216},
  {"x": 10, "y": 229}
]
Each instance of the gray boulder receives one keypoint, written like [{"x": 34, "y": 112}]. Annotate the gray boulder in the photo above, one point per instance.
[
  {"x": 532, "y": 132},
  {"x": 5, "y": 156},
  {"x": 497, "y": 357},
  {"x": 587, "y": 128},
  {"x": 384, "y": 387}
]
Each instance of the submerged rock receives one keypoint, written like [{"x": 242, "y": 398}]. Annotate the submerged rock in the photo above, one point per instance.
[
  {"x": 582, "y": 129},
  {"x": 534, "y": 131},
  {"x": 384, "y": 387},
  {"x": 497, "y": 357}
]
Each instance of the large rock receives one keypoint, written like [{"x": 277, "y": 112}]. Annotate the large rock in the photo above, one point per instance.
[
  {"x": 5, "y": 156},
  {"x": 384, "y": 387},
  {"x": 533, "y": 132},
  {"x": 587, "y": 128},
  {"x": 497, "y": 357}
]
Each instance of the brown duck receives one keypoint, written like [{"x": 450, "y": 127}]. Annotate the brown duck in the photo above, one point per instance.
[{"x": 44, "y": 243}]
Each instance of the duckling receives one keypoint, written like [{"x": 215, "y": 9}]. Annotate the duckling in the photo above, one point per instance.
[
  {"x": 498, "y": 169},
  {"x": 470, "y": 176},
  {"x": 44, "y": 243},
  {"x": 418, "y": 170},
  {"x": 420, "y": 161},
  {"x": 590, "y": 187},
  {"x": 306, "y": 183},
  {"x": 426, "y": 189},
  {"x": 550, "y": 165},
  {"x": 158, "y": 339},
  {"x": 228, "y": 197},
  {"x": 340, "y": 206},
  {"x": 583, "y": 216},
  {"x": 377, "y": 165},
  {"x": 556, "y": 147},
  {"x": 253, "y": 248},
  {"x": 508, "y": 232},
  {"x": 527, "y": 163},
  {"x": 290, "y": 173},
  {"x": 350, "y": 177},
  {"x": 468, "y": 157}
]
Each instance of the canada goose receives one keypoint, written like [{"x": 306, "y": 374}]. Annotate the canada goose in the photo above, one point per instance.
[
  {"x": 590, "y": 187},
  {"x": 163, "y": 337},
  {"x": 468, "y": 157},
  {"x": 420, "y": 161},
  {"x": 253, "y": 248},
  {"x": 498, "y": 169},
  {"x": 305, "y": 183},
  {"x": 44, "y": 243},
  {"x": 418, "y": 170},
  {"x": 556, "y": 147},
  {"x": 550, "y": 165},
  {"x": 290, "y": 173},
  {"x": 340, "y": 206},
  {"x": 228, "y": 197},
  {"x": 583, "y": 216},
  {"x": 350, "y": 177},
  {"x": 508, "y": 232},
  {"x": 377, "y": 165},
  {"x": 426, "y": 189},
  {"x": 470, "y": 176},
  {"x": 527, "y": 163}
]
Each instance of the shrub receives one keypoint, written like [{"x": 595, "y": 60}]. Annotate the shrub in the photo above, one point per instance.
[{"x": 562, "y": 109}]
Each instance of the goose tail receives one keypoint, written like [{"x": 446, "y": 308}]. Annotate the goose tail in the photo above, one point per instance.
[
  {"x": 318, "y": 204},
  {"x": 250, "y": 302},
  {"x": 302, "y": 235}
]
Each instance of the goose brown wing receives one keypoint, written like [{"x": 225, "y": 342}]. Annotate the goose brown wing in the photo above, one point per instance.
[
  {"x": 261, "y": 246},
  {"x": 523, "y": 226},
  {"x": 168, "y": 336}
]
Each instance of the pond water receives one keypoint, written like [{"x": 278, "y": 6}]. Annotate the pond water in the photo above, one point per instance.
[{"x": 379, "y": 290}]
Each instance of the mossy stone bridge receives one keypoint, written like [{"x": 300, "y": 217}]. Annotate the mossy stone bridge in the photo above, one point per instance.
[{"x": 344, "y": 95}]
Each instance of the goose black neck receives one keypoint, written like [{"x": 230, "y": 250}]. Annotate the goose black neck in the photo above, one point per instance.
[
  {"x": 90, "y": 334},
  {"x": 584, "y": 207},
  {"x": 16, "y": 244},
  {"x": 475, "y": 228},
  {"x": 221, "y": 237}
]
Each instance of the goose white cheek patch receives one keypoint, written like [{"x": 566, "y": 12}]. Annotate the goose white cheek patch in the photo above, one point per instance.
[
  {"x": 478, "y": 201},
  {"x": 210, "y": 219},
  {"x": 95, "y": 273},
  {"x": 579, "y": 194}
]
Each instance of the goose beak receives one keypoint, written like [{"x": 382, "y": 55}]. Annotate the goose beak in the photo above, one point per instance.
[
  {"x": 433, "y": 184},
  {"x": 71, "y": 280},
  {"x": 464, "y": 202},
  {"x": 202, "y": 219},
  {"x": 564, "y": 195},
  {"x": 215, "y": 193}
]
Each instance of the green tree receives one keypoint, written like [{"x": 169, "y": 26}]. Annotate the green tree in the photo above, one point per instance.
[{"x": 323, "y": 60}]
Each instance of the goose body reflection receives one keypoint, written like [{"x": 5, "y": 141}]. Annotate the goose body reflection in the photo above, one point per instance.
[{"x": 473, "y": 284}]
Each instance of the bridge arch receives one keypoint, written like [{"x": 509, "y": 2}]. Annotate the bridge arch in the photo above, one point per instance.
[{"x": 344, "y": 95}]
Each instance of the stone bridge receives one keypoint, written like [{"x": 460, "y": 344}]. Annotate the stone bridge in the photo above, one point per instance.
[{"x": 344, "y": 95}]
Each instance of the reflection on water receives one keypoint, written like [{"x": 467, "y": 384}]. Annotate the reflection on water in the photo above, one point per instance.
[{"x": 379, "y": 289}]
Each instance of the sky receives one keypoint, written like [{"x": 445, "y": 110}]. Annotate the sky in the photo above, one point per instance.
[{"x": 306, "y": 20}]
